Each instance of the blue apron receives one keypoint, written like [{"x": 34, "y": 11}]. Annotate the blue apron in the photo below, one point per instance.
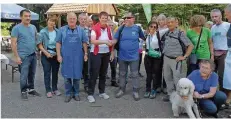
[{"x": 72, "y": 55}]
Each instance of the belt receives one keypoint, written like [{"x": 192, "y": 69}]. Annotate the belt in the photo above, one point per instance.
[{"x": 170, "y": 57}]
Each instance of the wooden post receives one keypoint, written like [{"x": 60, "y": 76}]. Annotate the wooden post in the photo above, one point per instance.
[
  {"x": 59, "y": 21},
  {"x": 113, "y": 18}
]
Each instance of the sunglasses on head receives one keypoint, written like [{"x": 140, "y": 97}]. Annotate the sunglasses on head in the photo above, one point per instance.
[
  {"x": 152, "y": 26},
  {"x": 128, "y": 17}
]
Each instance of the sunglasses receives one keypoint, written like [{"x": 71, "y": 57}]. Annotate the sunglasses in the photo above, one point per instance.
[
  {"x": 128, "y": 17},
  {"x": 153, "y": 27}
]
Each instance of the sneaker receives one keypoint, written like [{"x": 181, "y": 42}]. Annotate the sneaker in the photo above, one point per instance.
[
  {"x": 136, "y": 96},
  {"x": 158, "y": 90},
  {"x": 153, "y": 94},
  {"x": 119, "y": 94},
  {"x": 34, "y": 93},
  {"x": 49, "y": 95},
  {"x": 67, "y": 99},
  {"x": 166, "y": 98},
  {"x": 76, "y": 98},
  {"x": 24, "y": 96},
  {"x": 147, "y": 94},
  {"x": 58, "y": 93},
  {"x": 91, "y": 99},
  {"x": 104, "y": 96}
]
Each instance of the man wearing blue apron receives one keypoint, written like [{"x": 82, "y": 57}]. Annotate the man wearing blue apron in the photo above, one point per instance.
[{"x": 70, "y": 41}]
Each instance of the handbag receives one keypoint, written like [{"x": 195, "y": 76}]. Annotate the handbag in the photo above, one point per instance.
[
  {"x": 193, "y": 57},
  {"x": 153, "y": 53}
]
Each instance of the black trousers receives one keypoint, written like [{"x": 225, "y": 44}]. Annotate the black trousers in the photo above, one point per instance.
[
  {"x": 153, "y": 67},
  {"x": 99, "y": 64},
  {"x": 140, "y": 61},
  {"x": 113, "y": 65}
]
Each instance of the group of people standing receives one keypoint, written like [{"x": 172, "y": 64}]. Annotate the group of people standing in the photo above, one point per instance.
[{"x": 86, "y": 50}]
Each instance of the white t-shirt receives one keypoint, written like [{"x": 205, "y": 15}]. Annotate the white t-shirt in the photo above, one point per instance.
[
  {"x": 103, "y": 48},
  {"x": 219, "y": 36},
  {"x": 154, "y": 41}
]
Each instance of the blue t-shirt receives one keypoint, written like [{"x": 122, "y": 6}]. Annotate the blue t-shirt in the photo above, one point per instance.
[
  {"x": 129, "y": 42},
  {"x": 26, "y": 44},
  {"x": 203, "y": 86}
]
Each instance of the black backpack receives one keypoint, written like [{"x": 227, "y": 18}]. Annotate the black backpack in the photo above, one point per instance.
[{"x": 178, "y": 38}]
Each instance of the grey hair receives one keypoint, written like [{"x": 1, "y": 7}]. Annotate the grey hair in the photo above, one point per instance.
[
  {"x": 82, "y": 15},
  {"x": 216, "y": 10},
  {"x": 71, "y": 14},
  {"x": 161, "y": 17},
  {"x": 205, "y": 61},
  {"x": 228, "y": 7}
]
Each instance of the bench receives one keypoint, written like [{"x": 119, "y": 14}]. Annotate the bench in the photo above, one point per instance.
[{"x": 14, "y": 67}]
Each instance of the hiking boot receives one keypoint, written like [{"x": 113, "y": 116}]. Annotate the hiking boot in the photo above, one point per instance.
[
  {"x": 67, "y": 99},
  {"x": 141, "y": 75},
  {"x": 104, "y": 96},
  {"x": 76, "y": 98},
  {"x": 119, "y": 94},
  {"x": 91, "y": 99},
  {"x": 164, "y": 90},
  {"x": 49, "y": 95},
  {"x": 166, "y": 98},
  {"x": 136, "y": 96},
  {"x": 158, "y": 90},
  {"x": 24, "y": 96},
  {"x": 113, "y": 83},
  {"x": 147, "y": 94},
  {"x": 34, "y": 93},
  {"x": 153, "y": 94}
]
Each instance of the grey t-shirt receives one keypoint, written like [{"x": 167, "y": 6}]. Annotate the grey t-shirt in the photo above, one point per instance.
[
  {"x": 172, "y": 47},
  {"x": 26, "y": 37}
]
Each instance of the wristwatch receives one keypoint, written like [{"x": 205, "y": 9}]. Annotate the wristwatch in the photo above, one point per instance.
[
  {"x": 185, "y": 57},
  {"x": 86, "y": 53}
]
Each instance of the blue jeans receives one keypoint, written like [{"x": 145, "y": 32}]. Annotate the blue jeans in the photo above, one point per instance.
[
  {"x": 211, "y": 106},
  {"x": 50, "y": 65},
  {"x": 27, "y": 72},
  {"x": 123, "y": 69},
  {"x": 72, "y": 88}
]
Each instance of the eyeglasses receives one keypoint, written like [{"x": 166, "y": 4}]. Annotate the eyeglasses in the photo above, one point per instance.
[
  {"x": 153, "y": 27},
  {"x": 128, "y": 17}
]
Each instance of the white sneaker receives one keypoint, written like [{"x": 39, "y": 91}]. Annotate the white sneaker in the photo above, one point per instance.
[
  {"x": 91, "y": 99},
  {"x": 104, "y": 96}
]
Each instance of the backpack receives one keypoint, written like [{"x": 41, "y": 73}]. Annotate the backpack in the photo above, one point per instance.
[{"x": 184, "y": 48}]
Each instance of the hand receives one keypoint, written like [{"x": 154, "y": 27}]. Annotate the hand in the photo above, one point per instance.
[
  {"x": 49, "y": 55},
  {"x": 18, "y": 60},
  {"x": 212, "y": 57},
  {"x": 112, "y": 56},
  {"x": 197, "y": 95},
  {"x": 85, "y": 57},
  {"x": 109, "y": 43},
  {"x": 180, "y": 58},
  {"x": 59, "y": 58}
]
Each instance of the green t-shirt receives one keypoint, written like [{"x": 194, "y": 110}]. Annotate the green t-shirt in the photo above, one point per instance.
[{"x": 203, "y": 51}]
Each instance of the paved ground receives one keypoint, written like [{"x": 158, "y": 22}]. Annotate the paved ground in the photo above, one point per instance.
[{"x": 42, "y": 107}]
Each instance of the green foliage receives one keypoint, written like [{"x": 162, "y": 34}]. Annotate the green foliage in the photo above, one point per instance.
[
  {"x": 182, "y": 11},
  {"x": 5, "y": 28}
]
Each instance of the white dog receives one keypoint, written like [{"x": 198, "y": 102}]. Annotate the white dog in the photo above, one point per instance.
[{"x": 182, "y": 99}]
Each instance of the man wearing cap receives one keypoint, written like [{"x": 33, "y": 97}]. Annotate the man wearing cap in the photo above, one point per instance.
[{"x": 128, "y": 53}]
